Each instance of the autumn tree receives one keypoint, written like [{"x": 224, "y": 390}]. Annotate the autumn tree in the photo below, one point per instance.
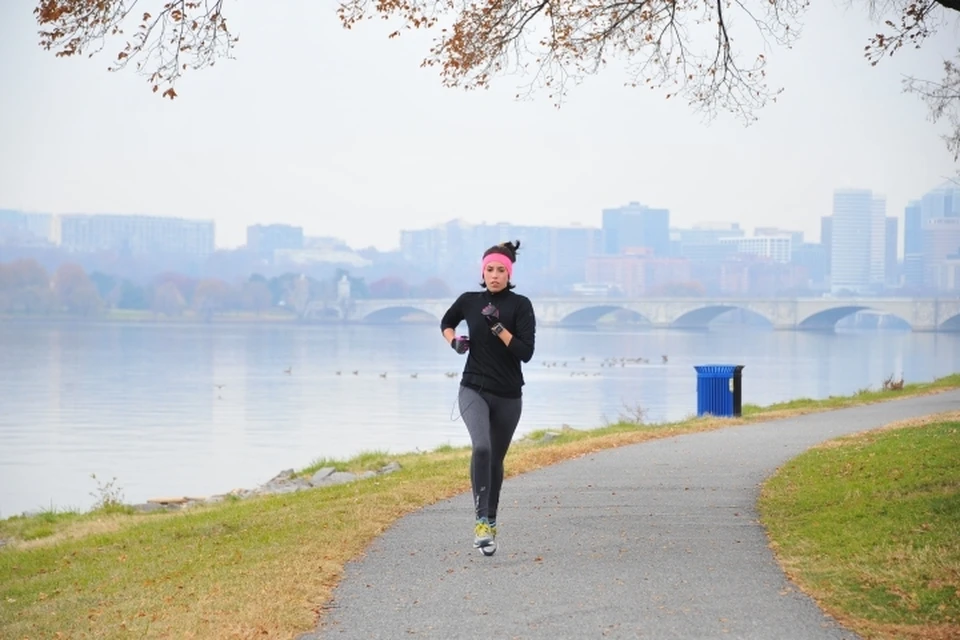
[
  {"x": 680, "y": 46},
  {"x": 25, "y": 288},
  {"x": 389, "y": 287},
  {"x": 211, "y": 296},
  {"x": 184, "y": 284},
  {"x": 256, "y": 296},
  {"x": 167, "y": 299},
  {"x": 107, "y": 286},
  {"x": 21, "y": 274},
  {"x": 131, "y": 296},
  {"x": 74, "y": 290},
  {"x": 431, "y": 288}
]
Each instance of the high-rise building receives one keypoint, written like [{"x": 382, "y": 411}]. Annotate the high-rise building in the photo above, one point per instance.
[
  {"x": 265, "y": 239},
  {"x": 941, "y": 202},
  {"x": 537, "y": 251},
  {"x": 701, "y": 243},
  {"x": 796, "y": 237},
  {"x": 812, "y": 257},
  {"x": 133, "y": 234},
  {"x": 858, "y": 231},
  {"x": 941, "y": 249},
  {"x": 571, "y": 248},
  {"x": 419, "y": 246},
  {"x": 777, "y": 248},
  {"x": 635, "y": 226},
  {"x": 913, "y": 245},
  {"x": 826, "y": 238},
  {"x": 878, "y": 244},
  {"x": 28, "y": 229},
  {"x": 891, "y": 247},
  {"x": 708, "y": 233},
  {"x": 551, "y": 257}
]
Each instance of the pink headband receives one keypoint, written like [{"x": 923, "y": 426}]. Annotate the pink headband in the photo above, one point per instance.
[{"x": 502, "y": 259}]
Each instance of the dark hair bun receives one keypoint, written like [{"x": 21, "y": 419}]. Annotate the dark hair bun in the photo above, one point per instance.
[{"x": 508, "y": 249}]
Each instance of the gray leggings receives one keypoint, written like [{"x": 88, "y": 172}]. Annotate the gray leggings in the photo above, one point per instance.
[{"x": 491, "y": 421}]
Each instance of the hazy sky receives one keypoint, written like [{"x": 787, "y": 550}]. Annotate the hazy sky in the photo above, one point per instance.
[{"x": 343, "y": 133}]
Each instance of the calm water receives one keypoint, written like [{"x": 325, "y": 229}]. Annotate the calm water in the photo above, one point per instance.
[{"x": 197, "y": 410}]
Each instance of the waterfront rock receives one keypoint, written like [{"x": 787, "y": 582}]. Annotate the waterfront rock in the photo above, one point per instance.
[
  {"x": 286, "y": 474},
  {"x": 148, "y": 507},
  {"x": 390, "y": 467},
  {"x": 321, "y": 475},
  {"x": 169, "y": 501},
  {"x": 285, "y": 482},
  {"x": 338, "y": 477},
  {"x": 550, "y": 435}
]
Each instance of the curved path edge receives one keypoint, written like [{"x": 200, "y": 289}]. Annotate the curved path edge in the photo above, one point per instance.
[{"x": 654, "y": 540}]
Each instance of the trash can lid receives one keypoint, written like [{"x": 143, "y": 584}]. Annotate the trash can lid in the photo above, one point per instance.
[{"x": 717, "y": 370}]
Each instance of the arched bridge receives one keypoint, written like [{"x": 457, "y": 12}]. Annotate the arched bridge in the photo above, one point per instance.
[{"x": 922, "y": 314}]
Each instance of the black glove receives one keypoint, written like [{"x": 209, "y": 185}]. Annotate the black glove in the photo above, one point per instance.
[
  {"x": 492, "y": 315},
  {"x": 460, "y": 344}
]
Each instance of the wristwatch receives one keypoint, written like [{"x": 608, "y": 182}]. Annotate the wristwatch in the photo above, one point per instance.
[{"x": 497, "y": 329}]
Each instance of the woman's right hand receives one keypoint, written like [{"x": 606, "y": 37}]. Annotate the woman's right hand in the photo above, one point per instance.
[{"x": 460, "y": 344}]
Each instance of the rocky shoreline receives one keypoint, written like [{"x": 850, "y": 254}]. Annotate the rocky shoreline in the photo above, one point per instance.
[{"x": 283, "y": 482}]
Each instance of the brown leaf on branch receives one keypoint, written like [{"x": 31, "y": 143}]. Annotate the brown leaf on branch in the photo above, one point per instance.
[
  {"x": 179, "y": 34},
  {"x": 684, "y": 47},
  {"x": 943, "y": 101}
]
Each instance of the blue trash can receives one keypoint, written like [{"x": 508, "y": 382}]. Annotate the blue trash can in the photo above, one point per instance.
[{"x": 719, "y": 390}]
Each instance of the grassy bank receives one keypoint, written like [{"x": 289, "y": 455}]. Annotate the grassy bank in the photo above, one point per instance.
[
  {"x": 869, "y": 525},
  {"x": 265, "y": 566}
]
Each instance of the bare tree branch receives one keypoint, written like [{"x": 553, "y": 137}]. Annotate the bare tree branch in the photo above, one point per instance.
[
  {"x": 684, "y": 47},
  {"x": 181, "y": 34},
  {"x": 943, "y": 100}
]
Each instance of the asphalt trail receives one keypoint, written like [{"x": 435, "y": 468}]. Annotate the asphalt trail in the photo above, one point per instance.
[{"x": 657, "y": 540}]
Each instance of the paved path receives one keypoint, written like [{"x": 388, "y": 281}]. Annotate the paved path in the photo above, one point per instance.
[{"x": 657, "y": 540}]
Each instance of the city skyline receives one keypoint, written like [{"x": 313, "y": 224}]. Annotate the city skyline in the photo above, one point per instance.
[
  {"x": 810, "y": 233},
  {"x": 635, "y": 252},
  {"x": 365, "y": 150},
  {"x": 758, "y": 231}
]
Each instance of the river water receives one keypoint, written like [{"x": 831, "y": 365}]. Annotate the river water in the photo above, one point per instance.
[{"x": 172, "y": 409}]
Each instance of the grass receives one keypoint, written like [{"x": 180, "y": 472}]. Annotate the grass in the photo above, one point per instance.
[
  {"x": 869, "y": 525},
  {"x": 264, "y": 567}
]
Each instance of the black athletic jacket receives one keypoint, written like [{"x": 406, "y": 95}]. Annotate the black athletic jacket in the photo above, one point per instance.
[{"x": 491, "y": 365}]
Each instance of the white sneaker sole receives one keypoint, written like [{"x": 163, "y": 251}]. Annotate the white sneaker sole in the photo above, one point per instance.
[{"x": 489, "y": 549}]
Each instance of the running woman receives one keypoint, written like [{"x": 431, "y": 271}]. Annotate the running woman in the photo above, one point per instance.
[{"x": 501, "y": 327}]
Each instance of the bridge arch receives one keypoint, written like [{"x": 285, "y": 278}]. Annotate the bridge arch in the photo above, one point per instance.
[
  {"x": 950, "y": 324},
  {"x": 827, "y": 319},
  {"x": 702, "y": 317},
  {"x": 590, "y": 315},
  {"x": 396, "y": 313}
]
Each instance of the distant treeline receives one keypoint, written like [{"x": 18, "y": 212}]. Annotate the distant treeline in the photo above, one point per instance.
[{"x": 27, "y": 288}]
